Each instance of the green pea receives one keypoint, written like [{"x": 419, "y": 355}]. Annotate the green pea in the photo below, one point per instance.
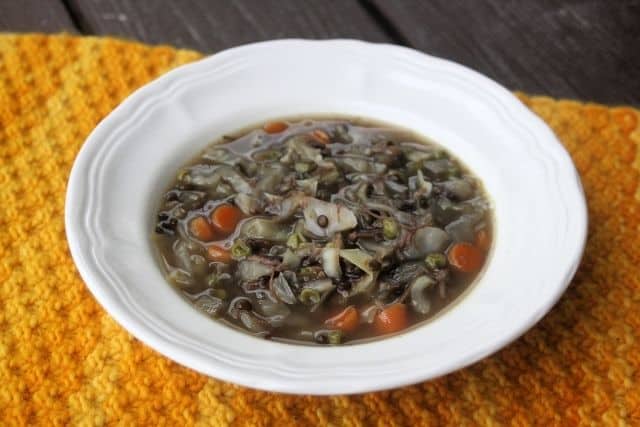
[
  {"x": 435, "y": 261},
  {"x": 390, "y": 228},
  {"x": 334, "y": 337},
  {"x": 240, "y": 249},
  {"x": 309, "y": 296}
]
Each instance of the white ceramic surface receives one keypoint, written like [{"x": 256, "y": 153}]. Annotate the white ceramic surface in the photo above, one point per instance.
[{"x": 130, "y": 157}]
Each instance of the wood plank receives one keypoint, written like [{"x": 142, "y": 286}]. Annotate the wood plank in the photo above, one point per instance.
[
  {"x": 209, "y": 26},
  {"x": 585, "y": 49},
  {"x": 35, "y": 16}
]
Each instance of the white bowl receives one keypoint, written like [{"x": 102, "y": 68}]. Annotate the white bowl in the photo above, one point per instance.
[{"x": 131, "y": 156}]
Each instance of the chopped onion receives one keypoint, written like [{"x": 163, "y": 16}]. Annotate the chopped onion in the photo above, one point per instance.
[
  {"x": 249, "y": 205},
  {"x": 221, "y": 155},
  {"x": 210, "y": 305},
  {"x": 368, "y": 313},
  {"x": 364, "y": 285},
  {"x": 270, "y": 308},
  {"x": 437, "y": 168},
  {"x": 360, "y": 164},
  {"x": 180, "y": 277},
  {"x": 250, "y": 270},
  {"x": 462, "y": 229},
  {"x": 209, "y": 176},
  {"x": 282, "y": 290},
  {"x": 364, "y": 262},
  {"x": 298, "y": 148},
  {"x": 396, "y": 187},
  {"x": 340, "y": 217},
  {"x": 460, "y": 189},
  {"x": 322, "y": 288},
  {"x": 419, "y": 300},
  {"x": 419, "y": 186},
  {"x": 270, "y": 177},
  {"x": 233, "y": 311},
  {"x": 331, "y": 262},
  {"x": 265, "y": 229},
  {"x": 308, "y": 186},
  {"x": 253, "y": 322},
  {"x": 321, "y": 285},
  {"x": 182, "y": 251},
  {"x": 284, "y": 208},
  {"x": 291, "y": 260},
  {"x": 359, "y": 258},
  {"x": 426, "y": 240}
]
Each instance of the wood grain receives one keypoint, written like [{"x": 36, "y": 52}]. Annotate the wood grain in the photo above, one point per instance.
[
  {"x": 586, "y": 49},
  {"x": 576, "y": 49},
  {"x": 209, "y": 26},
  {"x": 34, "y": 16}
]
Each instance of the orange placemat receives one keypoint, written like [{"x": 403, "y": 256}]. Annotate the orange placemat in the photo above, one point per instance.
[{"x": 63, "y": 360}]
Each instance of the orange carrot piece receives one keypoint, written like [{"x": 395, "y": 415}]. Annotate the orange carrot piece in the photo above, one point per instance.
[
  {"x": 392, "y": 319},
  {"x": 275, "y": 127},
  {"x": 200, "y": 229},
  {"x": 465, "y": 257},
  {"x": 483, "y": 240},
  {"x": 347, "y": 320},
  {"x": 321, "y": 136},
  {"x": 218, "y": 254},
  {"x": 225, "y": 218}
]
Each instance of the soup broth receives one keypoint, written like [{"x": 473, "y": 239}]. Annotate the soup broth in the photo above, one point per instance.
[{"x": 323, "y": 231}]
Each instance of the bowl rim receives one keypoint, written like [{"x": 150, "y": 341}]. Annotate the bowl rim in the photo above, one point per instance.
[{"x": 89, "y": 266}]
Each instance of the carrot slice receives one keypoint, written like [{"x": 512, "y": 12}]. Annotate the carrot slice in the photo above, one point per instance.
[
  {"x": 321, "y": 136},
  {"x": 465, "y": 257},
  {"x": 347, "y": 320},
  {"x": 200, "y": 229},
  {"x": 218, "y": 254},
  {"x": 483, "y": 240},
  {"x": 225, "y": 218},
  {"x": 275, "y": 127},
  {"x": 392, "y": 319}
]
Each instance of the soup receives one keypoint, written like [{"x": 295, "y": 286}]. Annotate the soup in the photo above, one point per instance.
[{"x": 323, "y": 231}]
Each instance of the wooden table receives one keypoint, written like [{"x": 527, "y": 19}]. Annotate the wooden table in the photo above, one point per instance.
[{"x": 582, "y": 49}]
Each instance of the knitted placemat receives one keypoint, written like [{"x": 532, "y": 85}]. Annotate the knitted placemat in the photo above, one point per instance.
[{"x": 63, "y": 360}]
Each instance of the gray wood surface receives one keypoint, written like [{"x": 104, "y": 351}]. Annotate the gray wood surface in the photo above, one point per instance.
[
  {"x": 210, "y": 26},
  {"x": 576, "y": 49},
  {"x": 34, "y": 15},
  {"x": 584, "y": 49}
]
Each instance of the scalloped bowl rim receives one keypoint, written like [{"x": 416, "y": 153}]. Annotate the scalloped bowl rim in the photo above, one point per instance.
[{"x": 536, "y": 191}]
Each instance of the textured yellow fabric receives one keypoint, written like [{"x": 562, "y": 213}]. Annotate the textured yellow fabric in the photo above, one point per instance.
[{"x": 63, "y": 360}]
